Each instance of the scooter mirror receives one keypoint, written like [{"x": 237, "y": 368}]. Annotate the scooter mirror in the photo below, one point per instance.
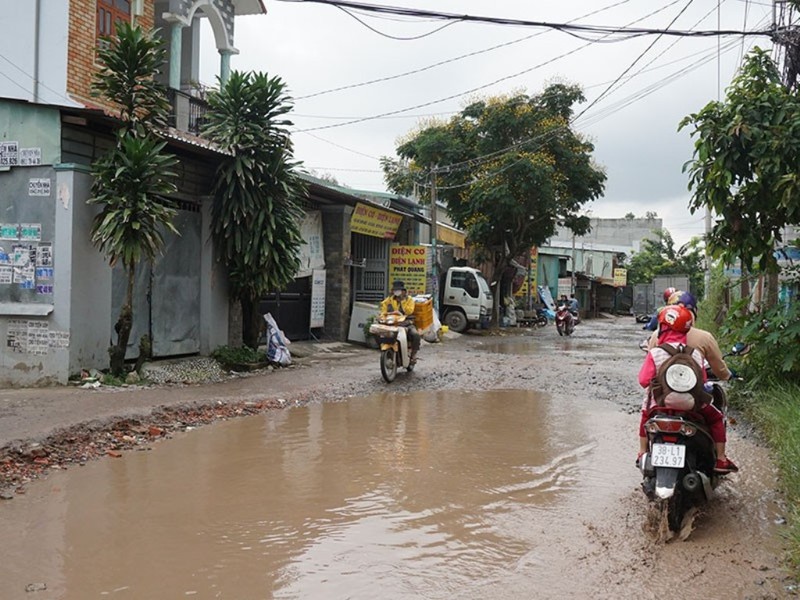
[{"x": 740, "y": 348}]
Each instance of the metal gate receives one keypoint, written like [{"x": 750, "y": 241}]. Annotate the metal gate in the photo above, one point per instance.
[
  {"x": 370, "y": 280},
  {"x": 166, "y": 296}
]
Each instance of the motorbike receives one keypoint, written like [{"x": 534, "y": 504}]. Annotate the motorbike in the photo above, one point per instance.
[
  {"x": 390, "y": 329},
  {"x": 678, "y": 467},
  {"x": 565, "y": 320},
  {"x": 541, "y": 318}
]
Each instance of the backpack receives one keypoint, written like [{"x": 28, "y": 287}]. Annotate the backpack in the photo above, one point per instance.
[{"x": 680, "y": 378}]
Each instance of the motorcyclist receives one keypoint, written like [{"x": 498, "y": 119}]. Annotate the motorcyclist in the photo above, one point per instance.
[
  {"x": 652, "y": 324},
  {"x": 574, "y": 307},
  {"x": 400, "y": 302},
  {"x": 705, "y": 342},
  {"x": 698, "y": 338}
]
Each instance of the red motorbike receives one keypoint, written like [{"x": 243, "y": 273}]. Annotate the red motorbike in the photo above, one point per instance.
[{"x": 565, "y": 320}]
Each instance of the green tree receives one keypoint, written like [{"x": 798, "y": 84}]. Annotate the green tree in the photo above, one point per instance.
[
  {"x": 131, "y": 180},
  {"x": 744, "y": 168},
  {"x": 256, "y": 213},
  {"x": 510, "y": 171},
  {"x": 659, "y": 257}
]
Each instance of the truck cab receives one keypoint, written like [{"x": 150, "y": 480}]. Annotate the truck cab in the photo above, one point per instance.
[{"x": 465, "y": 299}]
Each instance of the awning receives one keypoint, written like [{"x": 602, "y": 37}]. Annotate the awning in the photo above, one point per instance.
[{"x": 450, "y": 235}]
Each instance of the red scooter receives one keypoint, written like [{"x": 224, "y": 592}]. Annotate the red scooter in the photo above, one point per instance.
[{"x": 565, "y": 320}]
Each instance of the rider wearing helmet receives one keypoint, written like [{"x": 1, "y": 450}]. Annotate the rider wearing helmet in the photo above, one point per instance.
[
  {"x": 698, "y": 338},
  {"x": 399, "y": 301},
  {"x": 652, "y": 324},
  {"x": 674, "y": 326}
]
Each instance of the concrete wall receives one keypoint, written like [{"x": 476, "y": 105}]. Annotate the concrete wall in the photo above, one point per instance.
[
  {"x": 86, "y": 276},
  {"x": 213, "y": 292}
]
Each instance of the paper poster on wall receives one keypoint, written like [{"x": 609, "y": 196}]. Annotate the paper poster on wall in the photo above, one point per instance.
[
  {"x": 38, "y": 337},
  {"x": 9, "y": 231},
  {"x": 44, "y": 255},
  {"x": 30, "y": 232},
  {"x": 20, "y": 255},
  {"x": 6, "y": 275},
  {"x": 317, "y": 299},
  {"x": 30, "y": 157},
  {"x": 9, "y": 154},
  {"x": 59, "y": 339},
  {"x": 17, "y": 335},
  {"x": 311, "y": 253},
  {"x": 39, "y": 187},
  {"x": 25, "y": 277},
  {"x": 5, "y": 259}
]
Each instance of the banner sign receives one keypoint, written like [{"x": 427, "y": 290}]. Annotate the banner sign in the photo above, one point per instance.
[
  {"x": 522, "y": 292},
  {"x": 317, "y": 299},
  {"x": 620, "y": 277},
  {"x": 409, "y": 264},
  {"x": 371, "y": 220},
  {"x": 311, "y": 254}
]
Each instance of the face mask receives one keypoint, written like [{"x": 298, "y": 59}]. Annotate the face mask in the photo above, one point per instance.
[{"x": 398, "y": 293}]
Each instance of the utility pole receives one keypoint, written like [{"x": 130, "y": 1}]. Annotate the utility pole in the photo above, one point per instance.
[{"x": 434, "y": 233}]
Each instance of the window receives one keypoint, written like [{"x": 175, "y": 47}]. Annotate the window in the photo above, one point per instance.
[{"x": 109, "y": 13}]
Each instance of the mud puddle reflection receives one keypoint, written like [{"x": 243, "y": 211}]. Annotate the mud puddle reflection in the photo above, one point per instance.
[{"x": 414, "y": 496}]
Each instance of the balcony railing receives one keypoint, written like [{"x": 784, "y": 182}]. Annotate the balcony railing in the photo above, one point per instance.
[{"x": 188, "y": 111}]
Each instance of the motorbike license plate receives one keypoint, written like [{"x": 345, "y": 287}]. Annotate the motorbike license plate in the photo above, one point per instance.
[{"x": 668, "y": 455}]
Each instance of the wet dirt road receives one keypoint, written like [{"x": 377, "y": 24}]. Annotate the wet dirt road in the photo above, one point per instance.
[{"x": 501, "y": 468}]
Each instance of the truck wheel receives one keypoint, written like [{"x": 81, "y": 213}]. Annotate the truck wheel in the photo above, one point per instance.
[{"x": 456, "y": 321}]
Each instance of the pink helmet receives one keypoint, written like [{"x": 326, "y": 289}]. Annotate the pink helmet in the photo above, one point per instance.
[{"x": 668, "y": 292}]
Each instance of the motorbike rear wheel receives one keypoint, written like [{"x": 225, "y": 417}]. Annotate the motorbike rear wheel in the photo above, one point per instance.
[
  {"x": 677, "y": 506},
  {"x": 541, "y": 321},
  {"x": 388, "y": 365}
]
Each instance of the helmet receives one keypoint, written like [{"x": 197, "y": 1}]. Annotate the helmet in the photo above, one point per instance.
[
  {"x": 668, "y": 292},
  {"x": 675, "y": 318},
  {"x": 685, "y": 299}
]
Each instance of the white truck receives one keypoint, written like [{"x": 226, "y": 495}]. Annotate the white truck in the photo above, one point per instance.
[{"x": 465, "y": 299}]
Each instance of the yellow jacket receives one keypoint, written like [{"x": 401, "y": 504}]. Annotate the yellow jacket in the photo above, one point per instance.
[{"x": 392, "y": 304}]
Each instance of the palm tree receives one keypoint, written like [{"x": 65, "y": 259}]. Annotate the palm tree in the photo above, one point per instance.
[
  {"x": 256, "y": 214},
  {"x": 131, "y": 180}
]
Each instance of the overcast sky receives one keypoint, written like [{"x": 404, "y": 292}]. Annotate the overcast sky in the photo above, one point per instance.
[{"x": 315, "y": 48}]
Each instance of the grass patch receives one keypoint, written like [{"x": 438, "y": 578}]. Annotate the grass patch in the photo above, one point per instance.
[
  {"x": 775, "y": 409},
  {"x": 237, "y": 358}
]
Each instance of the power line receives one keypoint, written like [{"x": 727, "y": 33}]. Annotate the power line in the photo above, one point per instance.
[
  {"x": 570, "y": 28},
  {"x": 395, "y": 37},
  {"x": 456, "y": 58}
]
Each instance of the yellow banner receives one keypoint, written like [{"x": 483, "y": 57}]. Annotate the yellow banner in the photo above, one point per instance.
[
  {"x": 409, "y": 264},
  {"x": 523, "y": 290},
  {"x": 371, "y": 220},
  {"x": 620, "y": 277}
]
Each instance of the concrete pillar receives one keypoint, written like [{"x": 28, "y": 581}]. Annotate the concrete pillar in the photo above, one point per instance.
[
  {"x": 175, "y": 56},
  {"x": 224, "y": 66}
]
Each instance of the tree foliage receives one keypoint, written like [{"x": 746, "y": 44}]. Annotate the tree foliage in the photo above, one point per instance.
[
  {"x": 659, "y": 257},
  {"x": 256, "y": 214},
  {"x": 510, "y": 169},
  {"x": 744, "y": 168},
  {"x": 132, "y": 180}
]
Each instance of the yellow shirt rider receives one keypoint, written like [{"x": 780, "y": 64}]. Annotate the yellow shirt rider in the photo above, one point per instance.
[{"x": 399, "y": 301}]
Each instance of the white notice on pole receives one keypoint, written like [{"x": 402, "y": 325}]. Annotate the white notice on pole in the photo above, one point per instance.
[{"x": 317, "y": 299}]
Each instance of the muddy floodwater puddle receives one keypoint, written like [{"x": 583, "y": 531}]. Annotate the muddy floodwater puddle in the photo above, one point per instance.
[{"x": 428, "y": 495}]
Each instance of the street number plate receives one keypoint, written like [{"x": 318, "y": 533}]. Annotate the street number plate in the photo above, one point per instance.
[{"x": 668, "y": 455}]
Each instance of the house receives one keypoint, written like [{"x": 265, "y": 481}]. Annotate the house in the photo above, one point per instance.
[
  {"x": 584, "y": 265},
  {"x": 58, "y": 298}
]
